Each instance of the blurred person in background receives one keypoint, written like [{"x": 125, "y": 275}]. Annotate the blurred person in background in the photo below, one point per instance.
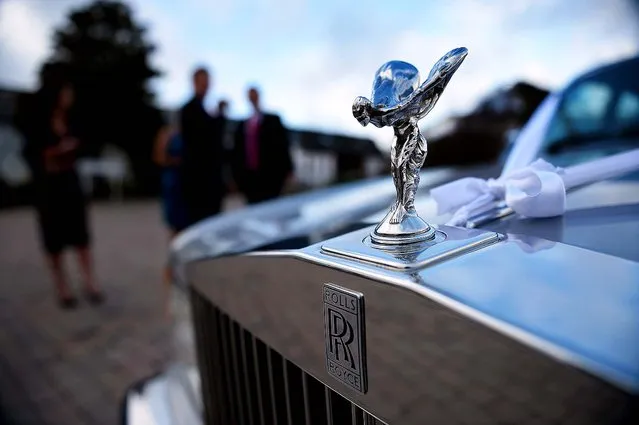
[
  {"x": 222, "y": 108},
  {"x": 221, "y": 115},
  {"x": 261, "y": 160},
  {"x": 51, "y": 148},
  {"x": 202, "y": 154},
  {"x": 167, "y": 153}
]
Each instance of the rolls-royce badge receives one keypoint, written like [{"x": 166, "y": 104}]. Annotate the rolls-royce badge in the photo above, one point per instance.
[
  {"x": 399, "y": 101},
  {"x": 344, "y": 336}
]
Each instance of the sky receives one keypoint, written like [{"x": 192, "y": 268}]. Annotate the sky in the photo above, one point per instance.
[{"x": 311, "y": 58}]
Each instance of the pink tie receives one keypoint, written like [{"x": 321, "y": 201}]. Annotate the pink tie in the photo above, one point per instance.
[{"x": 251, "y": 143}]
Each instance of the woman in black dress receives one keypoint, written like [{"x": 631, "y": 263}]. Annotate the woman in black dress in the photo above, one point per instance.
[{"x": 51, "y": 151}]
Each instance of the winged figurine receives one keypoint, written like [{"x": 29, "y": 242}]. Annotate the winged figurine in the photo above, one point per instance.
[{"x": 399, "y": 101}]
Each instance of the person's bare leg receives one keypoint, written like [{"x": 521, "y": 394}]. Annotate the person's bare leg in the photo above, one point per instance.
[
  {"x": 59, "y": 279},
  {"x": 167, "y": 278},
  {"x": 167, "y": 292},
  {"x": 86, "y": 267}
]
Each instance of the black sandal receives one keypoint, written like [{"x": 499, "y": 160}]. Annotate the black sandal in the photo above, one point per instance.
[
  {"x": 68, "y": 303},
  {"x": 95, "y": 297}
]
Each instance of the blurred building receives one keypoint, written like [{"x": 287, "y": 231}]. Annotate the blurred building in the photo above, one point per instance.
[{"x": 322, "y": 158}]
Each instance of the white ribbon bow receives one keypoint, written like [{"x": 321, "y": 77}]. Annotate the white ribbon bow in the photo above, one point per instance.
[{"x": 537, "y": 190}]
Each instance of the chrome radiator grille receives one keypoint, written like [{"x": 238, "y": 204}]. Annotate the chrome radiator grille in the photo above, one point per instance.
[{"x": 244, "y": 381}]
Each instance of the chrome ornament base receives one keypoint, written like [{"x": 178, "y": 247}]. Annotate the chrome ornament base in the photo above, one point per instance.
[
  {"x": 410, "y": 230},
  {"x": 447, "y": 243}
]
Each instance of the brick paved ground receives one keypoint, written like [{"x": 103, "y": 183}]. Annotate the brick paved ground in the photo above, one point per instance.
[{"x": 72, "y": 367}]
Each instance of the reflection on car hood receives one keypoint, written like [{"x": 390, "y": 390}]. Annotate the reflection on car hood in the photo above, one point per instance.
[
  {"x": 600, "y": 217},
  {"x": 169, "y": 398},
  {"x": 603, "y": 217}
]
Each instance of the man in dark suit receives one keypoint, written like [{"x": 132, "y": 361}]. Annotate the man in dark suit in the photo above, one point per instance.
[
  {"x": 202, "y": 156},
  {"x": 261, "y": 160}
]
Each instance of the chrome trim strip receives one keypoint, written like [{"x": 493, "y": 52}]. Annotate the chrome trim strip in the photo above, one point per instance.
[
  {"x": 211, "y": 412},
  {"x": 247, "y": 387},
  {"x": 256, "y": 365},
  {"x": 210, "y": 335},
  {"x": 236, "y": 373},
  {"x": 287, "y": 395},
  {"x": 269, "y": 360},
  {"x": 368, "y": 420},
  {"x": 307, "y": 407},
  {"x": 203, "y": 359},
  {"x": 227, "y": 364},
  {"x": 354, "y": 412},
  {"x": 329, "y": 406}
]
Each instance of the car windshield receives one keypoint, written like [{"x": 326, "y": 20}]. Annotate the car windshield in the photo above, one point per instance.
[{"x": 598, "y": 115}]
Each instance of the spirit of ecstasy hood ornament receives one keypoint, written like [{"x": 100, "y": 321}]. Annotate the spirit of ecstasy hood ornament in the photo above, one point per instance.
[{"x": 399, "y": 101}]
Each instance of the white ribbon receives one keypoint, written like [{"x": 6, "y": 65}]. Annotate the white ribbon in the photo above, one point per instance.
[{"x": 538, "y": 190}]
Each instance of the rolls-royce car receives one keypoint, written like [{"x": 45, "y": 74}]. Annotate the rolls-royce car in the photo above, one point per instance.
[{"x": 289, "y": 314}]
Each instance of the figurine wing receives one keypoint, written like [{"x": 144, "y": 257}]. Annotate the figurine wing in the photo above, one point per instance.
[
  {"x": 422, "y": 95},
  {"x": 424, "y": 98},
  {"x": 427, "y": 95}
]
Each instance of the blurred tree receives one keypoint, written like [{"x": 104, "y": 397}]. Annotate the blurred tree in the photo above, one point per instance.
[{"x": 106, "y": 54}]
